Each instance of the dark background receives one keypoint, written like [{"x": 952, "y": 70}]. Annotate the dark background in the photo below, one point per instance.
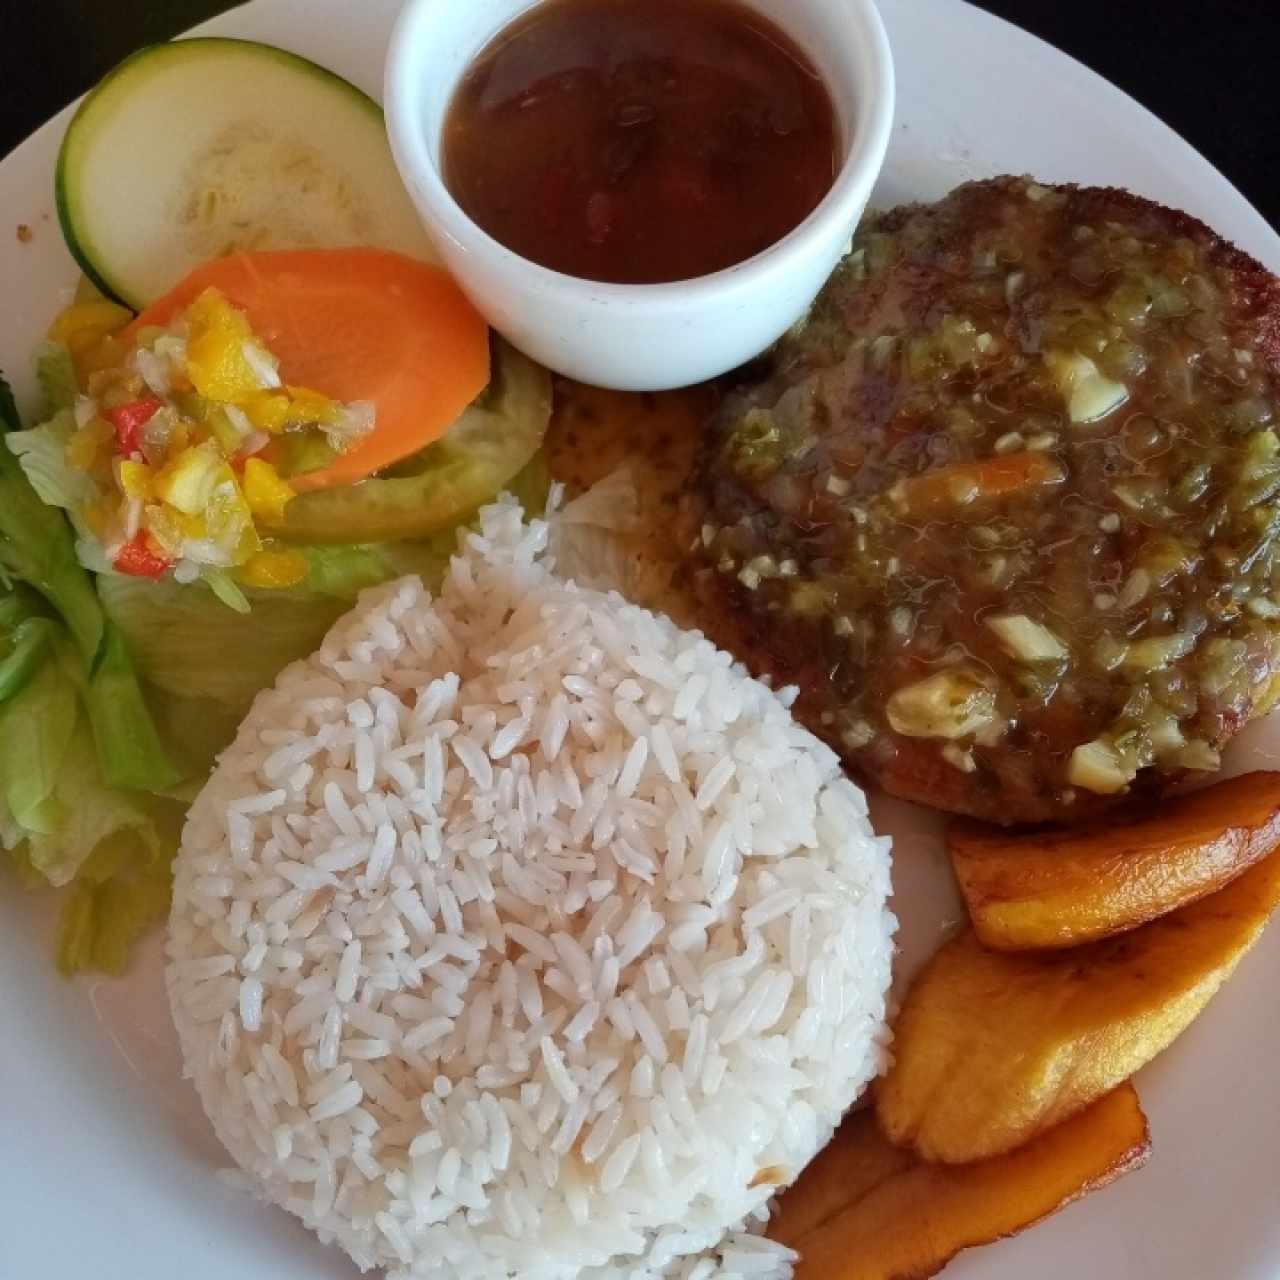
[{"x": 1210, "y": 68}]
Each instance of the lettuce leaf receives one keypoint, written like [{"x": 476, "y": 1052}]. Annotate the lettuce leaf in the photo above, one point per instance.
[
  {"x": 341, "y": 573},
  {"x": 61, "y": 820},
  {"x": 37, "y": 547},
  {"x": 56, "y": 374},
  {"x": 226, "y": 588},
  {"x": 121, "y": 889},
  {"x": 101, "y": 922},
  {"x": 203, "y": 663},
  {"x": 89, "y": 813},
  {"x": 37, "y": 726},
  {"x": 187, "y": 643},
  {"x": 26, "y": 635},
  {"x": 129, "y": 748},
  {"x": 42, "y": 452}
]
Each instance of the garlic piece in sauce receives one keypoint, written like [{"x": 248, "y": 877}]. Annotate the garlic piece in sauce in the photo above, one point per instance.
[
  {"x": 1089, "y": 393},
  {"x": 1098, "y": 767},
  {"x": 952, "y": 704},
  {"x": 1026, "y": 639}
]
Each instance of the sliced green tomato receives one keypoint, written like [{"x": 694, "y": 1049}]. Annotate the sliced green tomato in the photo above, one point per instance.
[
  {"x": 190, "y": 150},
  {"x": 480, "y": 454}
]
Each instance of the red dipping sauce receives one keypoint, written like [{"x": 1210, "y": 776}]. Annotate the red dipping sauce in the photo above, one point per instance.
[{"x": 640, "y": 141}]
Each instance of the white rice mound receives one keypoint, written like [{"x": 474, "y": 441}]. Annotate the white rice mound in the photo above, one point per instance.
[{"x": 520, "y": 932}]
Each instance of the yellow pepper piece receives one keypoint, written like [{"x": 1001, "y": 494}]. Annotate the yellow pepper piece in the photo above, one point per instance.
[
  {"x": 224, "y": 431},
  {"x": 274, "y": 569},
  {"x": 264, "y": 491},
  {"x": 84, "y": 324},
  {"x": 189, "y": 481},
  {"x": 307, "y": 407},
  {"x": 88, "y": 445},
  {"x": 216, "y": 361},
  {"x": 195, "y": 528},
  {"x": 248, "y": 544},
  {"x": 101, "y": 517},
  {"x": 164, "y": 528},
  {"x": 268, "y": 410},
  {"x": 136, "y": 480},
  {"x": 92, "y": 357}
]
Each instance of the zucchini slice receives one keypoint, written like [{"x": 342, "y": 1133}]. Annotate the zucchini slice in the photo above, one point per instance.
[{"x": 200, "y": 147}]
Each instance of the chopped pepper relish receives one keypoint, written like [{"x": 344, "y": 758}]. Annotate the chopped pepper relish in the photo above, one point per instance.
[{"x": 188, "y": 438}]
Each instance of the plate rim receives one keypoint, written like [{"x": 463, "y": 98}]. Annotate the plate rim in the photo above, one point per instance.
[{"x": 1262, "y": 241}]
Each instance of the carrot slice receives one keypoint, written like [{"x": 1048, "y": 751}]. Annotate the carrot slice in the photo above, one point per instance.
[
  {"x": 355, "y": 324},
  {"x": 968, "y": 482}
]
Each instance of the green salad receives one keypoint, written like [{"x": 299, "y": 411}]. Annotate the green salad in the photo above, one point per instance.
[
  {"x": 118, "y": 691},
  {"x": 240, "y": 432},
  {"x": 87, "y": 795}
]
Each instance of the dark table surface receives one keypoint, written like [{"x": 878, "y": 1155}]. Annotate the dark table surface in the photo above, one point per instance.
[{"x": 1207, "y": 67}]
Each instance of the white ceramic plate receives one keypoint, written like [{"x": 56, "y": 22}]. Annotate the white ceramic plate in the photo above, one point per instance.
[{"x": 107, "y": 1167}]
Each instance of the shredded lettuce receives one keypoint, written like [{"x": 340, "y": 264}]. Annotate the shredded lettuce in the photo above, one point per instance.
[
  {"x": 42, "y": 451},
  {"x": 89, "y": 813},
  {"x": 120, "y": 891},
  {"x": 189, "y": 644},
  {"x": 226, "y": 588},
  {"x": 56, "y": 373},
  {"x": 26, "y": 634},
  {"x": 36, "y": 730},
  {"x": 341, "y": 573},
  {"x": 129, "y": 748},
  {"x": 37, "y": 547},
  {"x": 79, "y": 749},
  {"x": 60, "y": 819}
]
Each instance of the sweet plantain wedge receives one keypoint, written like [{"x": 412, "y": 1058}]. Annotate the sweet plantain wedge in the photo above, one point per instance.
[
  {"x": 992, "y": 1048},
  {"x": 867, "y": 1210},
  {"x": 1061, "y": 888}
]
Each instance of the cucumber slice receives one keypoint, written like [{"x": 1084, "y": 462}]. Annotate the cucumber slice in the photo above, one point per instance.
[{"x": 200, "y": 147}]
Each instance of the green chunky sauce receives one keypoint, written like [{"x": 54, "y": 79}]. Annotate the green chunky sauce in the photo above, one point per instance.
[{"x": 1007, "y": 503}]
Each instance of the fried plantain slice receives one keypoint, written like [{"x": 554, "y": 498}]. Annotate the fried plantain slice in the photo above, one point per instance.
[
  {"x": 867, "y": 1210},
  {"x": 1060, "y": 888},
  {"x": 993, "y": 1048}
]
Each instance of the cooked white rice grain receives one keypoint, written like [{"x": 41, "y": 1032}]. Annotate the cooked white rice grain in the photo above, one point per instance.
[{"x": 560, "y": 931}]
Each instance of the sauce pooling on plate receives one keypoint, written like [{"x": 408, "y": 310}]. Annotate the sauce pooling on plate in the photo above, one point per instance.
[{"x": 640, "y": 141}]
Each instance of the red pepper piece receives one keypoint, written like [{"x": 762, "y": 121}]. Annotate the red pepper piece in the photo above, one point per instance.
[
  {"x": 138, "y": 560},
  {"x": 129, "y": 419}
]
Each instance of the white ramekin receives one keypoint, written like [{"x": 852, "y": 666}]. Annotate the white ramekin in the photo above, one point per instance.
[{"x": 640, "y": 337}]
